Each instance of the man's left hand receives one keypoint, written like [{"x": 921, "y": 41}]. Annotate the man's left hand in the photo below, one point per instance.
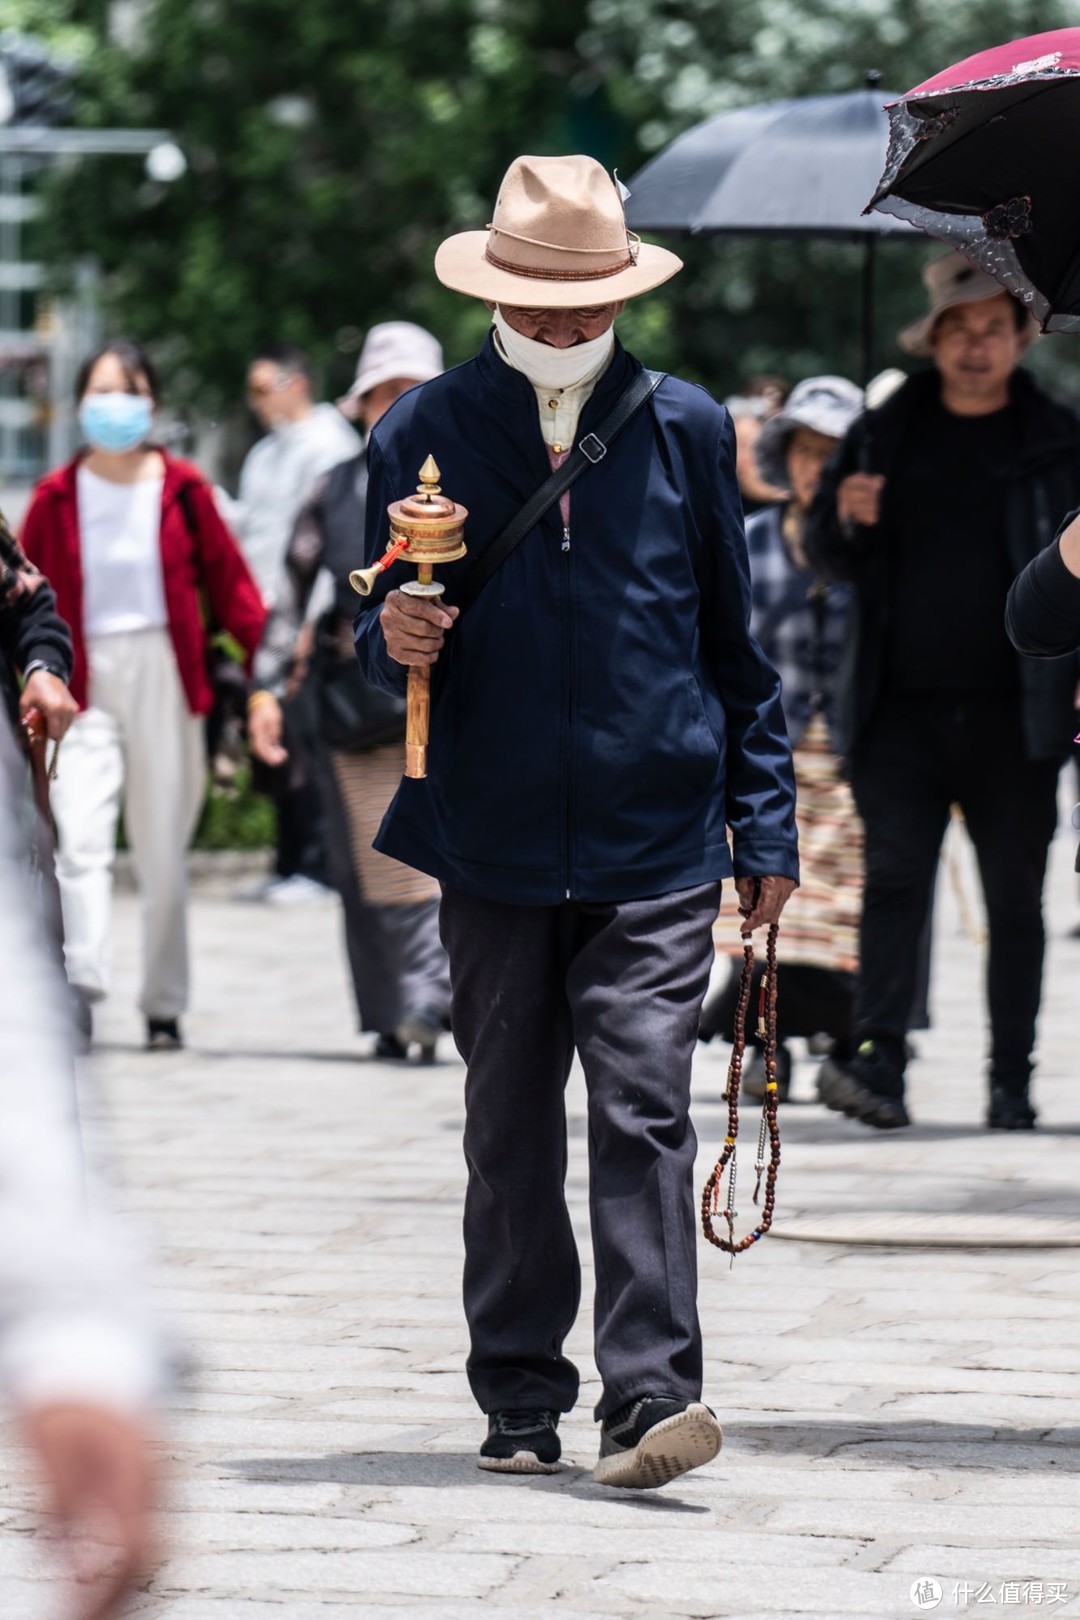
[
  {"x": 48, "y": 694},
  {"x": 761, "y": 900}
]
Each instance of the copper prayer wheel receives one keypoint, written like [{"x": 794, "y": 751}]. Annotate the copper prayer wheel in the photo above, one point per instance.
[{"x": 425, "y": 529}]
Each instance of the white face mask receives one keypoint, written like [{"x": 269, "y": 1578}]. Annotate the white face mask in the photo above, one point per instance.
[{"x": 547, "y": 367}]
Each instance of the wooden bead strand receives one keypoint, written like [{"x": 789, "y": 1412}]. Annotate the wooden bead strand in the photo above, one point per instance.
[{"x": 769, "y": 1133}]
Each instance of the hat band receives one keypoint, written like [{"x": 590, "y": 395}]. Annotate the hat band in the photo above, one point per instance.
[{"x": 537, "y": 274}]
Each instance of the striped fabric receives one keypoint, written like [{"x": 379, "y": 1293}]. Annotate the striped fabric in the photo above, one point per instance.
[
  {"x": 367, "y": 783},
  {"x": 820, "y": 924}
]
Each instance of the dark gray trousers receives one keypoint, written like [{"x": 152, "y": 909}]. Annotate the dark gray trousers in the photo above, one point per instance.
[{"x": 623, "y": 983}]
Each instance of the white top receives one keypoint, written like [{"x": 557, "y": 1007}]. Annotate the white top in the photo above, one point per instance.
[
  {"x": 120, "y": 538},
  {"x": 276, "y": 480}
]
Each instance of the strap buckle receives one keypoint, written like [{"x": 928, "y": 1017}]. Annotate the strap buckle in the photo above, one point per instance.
[{"x": 592, "y": 448}]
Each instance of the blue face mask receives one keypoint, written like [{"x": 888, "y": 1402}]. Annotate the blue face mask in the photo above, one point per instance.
[{"x": 116, "y": 422}]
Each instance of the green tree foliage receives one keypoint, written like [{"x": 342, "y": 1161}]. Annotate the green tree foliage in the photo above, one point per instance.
[
  {"x": 331, "y": 145},
  {"x": 792, "y": 307}
]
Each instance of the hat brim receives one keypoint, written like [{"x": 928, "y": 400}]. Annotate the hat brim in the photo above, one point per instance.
[
  {"x": 917, "y": 339},
  {"x": 461, "y": 265}
]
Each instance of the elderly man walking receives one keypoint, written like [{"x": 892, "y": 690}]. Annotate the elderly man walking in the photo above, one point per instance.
[
  {"x": 601, "y": 715},
  {"x": 932, "y": 505}
]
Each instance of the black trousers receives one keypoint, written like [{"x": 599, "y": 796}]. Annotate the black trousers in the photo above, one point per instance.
[
  {"x": 922, "y": 755},
  {"x": 623, "y": 983},
  {"x": 811, "y": 1000}
]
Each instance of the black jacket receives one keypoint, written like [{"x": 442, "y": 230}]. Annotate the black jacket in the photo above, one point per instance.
[
  {"x": 1045, "y": 486},
  {"x": 1042, "y": 614},
  {"x": 30, "y": 627}
]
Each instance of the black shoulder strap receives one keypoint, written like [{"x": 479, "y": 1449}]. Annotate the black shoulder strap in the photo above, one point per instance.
[{"x": 586, "y": 453}]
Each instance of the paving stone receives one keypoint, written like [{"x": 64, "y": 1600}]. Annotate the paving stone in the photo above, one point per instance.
[{"x": 888, "y": 1414}]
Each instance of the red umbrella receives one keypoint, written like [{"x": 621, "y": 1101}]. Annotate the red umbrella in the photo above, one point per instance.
[{"x": 982, "y": 156}]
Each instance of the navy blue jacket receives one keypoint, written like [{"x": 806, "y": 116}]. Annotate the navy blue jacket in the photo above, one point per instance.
[{"x": 600, "y": 712}]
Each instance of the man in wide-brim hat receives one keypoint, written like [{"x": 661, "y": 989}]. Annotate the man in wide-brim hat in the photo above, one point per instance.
[
  {"x": 933, "y": 503},
  {"x": 600, "y": 718}
]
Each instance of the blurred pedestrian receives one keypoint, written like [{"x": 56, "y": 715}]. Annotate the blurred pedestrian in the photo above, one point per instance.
[
  {"x": 750, "y": 409},
  {"x": 302, "y": 441},
  {"x": 801, "y": 625},
  {"x": 79, "y": 1358},
  {"x": 932, "y": 505},
  {"x": 601, "y": 715},
  {"x": 399, "y": 970},
  {"x": 132, "y": 542}
]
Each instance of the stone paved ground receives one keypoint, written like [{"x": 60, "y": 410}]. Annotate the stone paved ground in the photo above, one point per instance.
[{"x": 891, "y": 1413}]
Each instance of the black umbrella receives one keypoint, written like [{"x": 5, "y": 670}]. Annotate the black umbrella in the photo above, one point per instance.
[
  {"x": 785, "y": 168},
  {"x": 981, "y": 156}
]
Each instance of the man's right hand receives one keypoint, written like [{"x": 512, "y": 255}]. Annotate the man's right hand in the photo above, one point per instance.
[
  {"x": 415, "y": 627},
  {"x": 858, "y": 499}
]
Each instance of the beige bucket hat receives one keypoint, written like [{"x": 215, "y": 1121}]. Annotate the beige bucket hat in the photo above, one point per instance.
[
  {"x": 557, "y": 240},
  {"x": 950, "y": 279},
  {"x": 392, "y": 350}
]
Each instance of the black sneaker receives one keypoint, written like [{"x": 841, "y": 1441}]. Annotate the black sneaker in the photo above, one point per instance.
[
  {"x": 163, "y": 1035},
  {"x": 388, "y": 1049},
  {"x": 1010, "y": 1110},
  {"x": 753, "y": 1078},
  {"x": 868, "y": 1089},
  {"x": 654, "y": 1440},
  {"x": 523, "y": 1442}
]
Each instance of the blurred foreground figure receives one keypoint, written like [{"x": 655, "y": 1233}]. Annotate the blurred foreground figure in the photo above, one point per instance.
[
  {"x": 35, "y": 643},
  {"x": 801, "y": 625},
  {"x": 78, "y": 1358},
  {"x": 601, "y": 716},
  {"x": 399, "y": 970},
  {"x": 1044, "y": 603},
  {"x": 131, "y": 540},
  {"x": 933, "y": 504}
]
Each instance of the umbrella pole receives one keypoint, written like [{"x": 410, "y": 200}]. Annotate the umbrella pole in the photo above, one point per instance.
[{"x": 869, "y": 270}]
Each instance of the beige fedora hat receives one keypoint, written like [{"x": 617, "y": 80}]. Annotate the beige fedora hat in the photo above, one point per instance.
[
  {"x": 557, "y": 240},
  {"x": 950, "y": 279}
]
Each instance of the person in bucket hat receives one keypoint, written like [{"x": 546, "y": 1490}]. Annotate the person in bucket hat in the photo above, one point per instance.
[
  {"x": 600, "y": 717},
  {"x": 398, "y": 966},
  {"x": 932, "y": 505}
]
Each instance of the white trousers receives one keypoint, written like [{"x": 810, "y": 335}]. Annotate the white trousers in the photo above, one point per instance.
[{"x": 136, "y": 746}]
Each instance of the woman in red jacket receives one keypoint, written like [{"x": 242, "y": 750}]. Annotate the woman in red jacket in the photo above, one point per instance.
[{"x": 132, "y": 543}]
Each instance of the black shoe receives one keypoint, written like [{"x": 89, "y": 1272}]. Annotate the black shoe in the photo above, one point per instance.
[
  {"x": 868, "y": 1089},
  {"x": 753, "y": 1078},
  {"x": 421, "y": 1027},
  {"x": 163, "y": 1035},
  {"x": 1010, "y": 1110},
  {"x": 521, "y": 1443},
  {"x": 654, "y": 1440},
  {"x": 389, "y": 1049}
]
